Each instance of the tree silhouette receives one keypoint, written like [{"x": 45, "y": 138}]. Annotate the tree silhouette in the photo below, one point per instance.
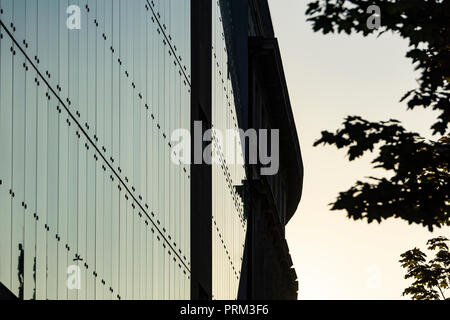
[
  {"x": 432, "y": 278},
  {"x": 419, "y": 190}
]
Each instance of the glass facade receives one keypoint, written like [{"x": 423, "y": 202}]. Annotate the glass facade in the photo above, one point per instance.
[
  {"x": 86, "y": 177},
  {"x": 228, "y": 173}
]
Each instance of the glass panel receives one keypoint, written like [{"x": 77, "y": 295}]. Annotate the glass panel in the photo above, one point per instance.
[
  {"x": 228, "y": 223},
  {"x": 86, "y": 177}
]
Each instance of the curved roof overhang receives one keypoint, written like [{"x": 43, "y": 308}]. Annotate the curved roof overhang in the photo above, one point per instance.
[{"x": 264, "y": 55}]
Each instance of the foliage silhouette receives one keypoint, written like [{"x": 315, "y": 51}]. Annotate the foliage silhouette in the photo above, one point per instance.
[
  {"x": 432, "y": 278},
  {"x": 419, "y": 190}
]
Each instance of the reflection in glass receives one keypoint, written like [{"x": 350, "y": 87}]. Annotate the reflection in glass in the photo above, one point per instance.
[{"x": 85, "y": 171}]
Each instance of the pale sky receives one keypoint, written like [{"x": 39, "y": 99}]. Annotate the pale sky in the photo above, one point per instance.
[{"x": 330, "y": 77}]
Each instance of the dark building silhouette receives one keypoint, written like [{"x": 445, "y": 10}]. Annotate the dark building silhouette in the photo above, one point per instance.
[
  {"x": 261, "y": 101},
  {"x": 273, "y": 199},
  {"x": 87, "y": 178}
]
